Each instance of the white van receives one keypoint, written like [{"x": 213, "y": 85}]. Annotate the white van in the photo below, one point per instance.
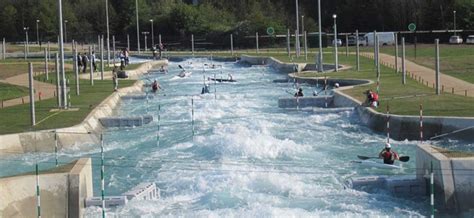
[{"x": 385, "y": 38}]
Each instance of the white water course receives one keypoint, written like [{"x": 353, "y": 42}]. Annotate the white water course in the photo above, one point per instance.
[{"x": 245, "y": 157}]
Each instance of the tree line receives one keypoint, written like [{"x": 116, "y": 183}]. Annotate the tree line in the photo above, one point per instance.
[{"x": 214, "y": 18}]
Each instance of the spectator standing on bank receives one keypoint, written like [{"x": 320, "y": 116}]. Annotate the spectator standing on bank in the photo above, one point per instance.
[
  {"x": 160, "y": 49},
  {"x": 115, "y": 78},
  {"x": 79, "y": 61},
  {"x": 85, "y": 60},
  {"x": 93, "y": 61},
  {"x": 127, "y": 60}
]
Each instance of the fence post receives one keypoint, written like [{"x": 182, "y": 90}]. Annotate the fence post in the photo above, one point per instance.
[
  {"x": 256, "y": 42},
  {"x": 288, "y": 43},
  {"x": 231, "y": 44},
  {"x": 396, "y": 52},
  {"x": 192, "y": 44},
  {"x": 437, "y": 66},
  {"x": 32, "y": 94},
  {"x": 357, "y": 51},
  {"x": 404, "y": 70}
]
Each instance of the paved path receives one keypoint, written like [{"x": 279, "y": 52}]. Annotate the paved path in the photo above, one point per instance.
[
  {"x": 46, "y": 90},
  {"x": 426, "y": 76}
]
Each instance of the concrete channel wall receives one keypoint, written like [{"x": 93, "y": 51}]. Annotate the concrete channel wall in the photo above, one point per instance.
[
  {"x": 62, "y": 192},
  {"x": 83, "y": 133},
  {"x": 453, "y": 178}
]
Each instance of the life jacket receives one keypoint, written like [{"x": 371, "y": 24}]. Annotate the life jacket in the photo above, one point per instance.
[{"x": 375, "y": 96}]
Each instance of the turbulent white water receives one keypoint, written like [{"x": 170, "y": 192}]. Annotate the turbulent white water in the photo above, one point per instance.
[{"x": 248, "y": 158}]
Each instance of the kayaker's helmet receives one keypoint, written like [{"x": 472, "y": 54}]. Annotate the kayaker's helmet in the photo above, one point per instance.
[
  {"x": 301, "y": 89},
  {"x": 388, "y": 146},
  {"x": 336, "y": 85}
]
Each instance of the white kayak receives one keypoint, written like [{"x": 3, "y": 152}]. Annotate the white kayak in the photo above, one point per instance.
[
  {"x": 370, "y": 163},
  {"x": 185, "y": 74}
]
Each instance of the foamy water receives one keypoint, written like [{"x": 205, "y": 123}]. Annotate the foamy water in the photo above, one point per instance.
[{"x": 247, "y": 158}]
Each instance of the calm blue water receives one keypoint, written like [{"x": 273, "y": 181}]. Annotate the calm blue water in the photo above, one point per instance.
[{"x": 248, "y": 158}]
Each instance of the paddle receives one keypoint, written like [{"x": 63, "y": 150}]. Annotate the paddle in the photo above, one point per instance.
[{"x": 401, "y": 158}]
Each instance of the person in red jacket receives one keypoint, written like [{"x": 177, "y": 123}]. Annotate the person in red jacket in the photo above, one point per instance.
[{"x": 388, "y": 155}]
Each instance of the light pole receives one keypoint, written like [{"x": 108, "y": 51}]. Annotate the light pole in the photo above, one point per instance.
[
  {"x": 454, "y": 14},
  {"x": 320, "y": 56},
  {"x": 145, "y": 34},
  {"x": 297, "y": 31},
  {"x": 61, "y": 56},
  {"x": 26, "y": 41},
  {"x": 108, "y": 32},
  {"x": 152, "y": 35},
  {"x": 336, "y": 64},
  {"x": 37, "y": 33},
  {"x": 302, "y": 24},
  {"x": 138, "y": 27},
  {"x": 65, "y": 31}
]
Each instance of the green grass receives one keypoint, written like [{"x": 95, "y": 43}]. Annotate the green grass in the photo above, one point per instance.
[
  {"x": 8, "y": 91},
  {"x": 16, "y": 119},
  {"x": 400, "y": 98},
  {"x": 455, "y": 60}
]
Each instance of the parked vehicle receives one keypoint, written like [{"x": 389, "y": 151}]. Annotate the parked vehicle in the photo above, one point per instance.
[
  {"x": 339, "y": 42},
  {"x": 352, "y": 41},
  {"x": 455, "y": 40},
  {"x": 470, "y": 39},
  {"x": 385, "y": 38}
]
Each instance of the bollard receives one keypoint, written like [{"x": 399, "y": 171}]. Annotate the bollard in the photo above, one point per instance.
[
  {"x": 465, "y": 93},
  {"x": 442, "y": 88},
  {"x": 347, "y": 45},
  {"x": 452, "y": 90},
  {"x": 22, "y": 100}
]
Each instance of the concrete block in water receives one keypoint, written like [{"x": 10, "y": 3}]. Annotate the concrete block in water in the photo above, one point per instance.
[
  {"x": 137, "y": 97},
  {"x": 396, "y": 185},
  {"x": 109, "y": 122},
  {"x": 110, "y": 201},
  {"x": 143, "y": 191},
  {"x": 301, "y": 102},
  {"x": 332, "y": 110}
]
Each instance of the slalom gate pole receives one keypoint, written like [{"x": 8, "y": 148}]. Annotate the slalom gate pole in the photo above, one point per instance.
[
  {"x": 56, "y": 147},
  {"x": 158, "y": 132},
  {"x": 215, "y": 87},
  {"x": 325, "y": 94},
  {"x": 432, "y": 191},
  {"x": 421, "y": 123},
  {"x": 192, "y": 114},
  {"x": 38, "y": 197},
  {"x": 102, "y": 169},
  {"x": 388, "y": 123}
]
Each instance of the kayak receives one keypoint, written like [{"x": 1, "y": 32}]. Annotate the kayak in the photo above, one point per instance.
[
  {"x": 369, "y": 163},
  {"x": 223, "y": 80},
  {"x": 185, "y": 74}
]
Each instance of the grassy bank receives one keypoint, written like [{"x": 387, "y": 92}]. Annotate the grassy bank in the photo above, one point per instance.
[
  {"x": 8, "y": 91},
  {"x": 17, "y": 119},
  {"x": 455, "y": 60}
]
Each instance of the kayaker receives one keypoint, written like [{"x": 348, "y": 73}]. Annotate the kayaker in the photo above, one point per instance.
[
  {"x": 299, "y": 93},
  {"x": 388, "y": 155},
  {"x": 155, "y": 86}
]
